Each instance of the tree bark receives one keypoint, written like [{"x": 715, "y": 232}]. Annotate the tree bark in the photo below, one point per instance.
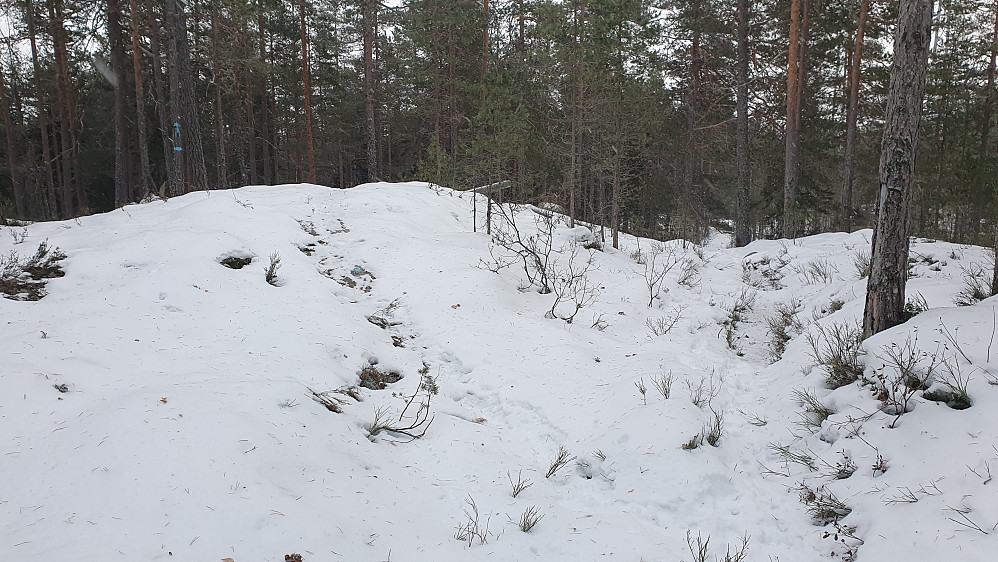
[
  {"x": 743, "y": 231},
  {"x": 370, "y": 14},
  {"x": 265, "y": 119},
  {"x": 162, "y": 108},
  {"x": 66, "y": 125},
  {"x": 852, "y": 117},
  {"x": 122, "y": 181},
  {"x": 220, "y": 156},
  {"x": 989, "y": 102},
  {"x": 308, "y": 94},
  {"x": 885, "y": 291},
  {"x": 189, "y": 159},
  {"x": 8, "y": 127},
  {"x": 50, "y": 194},
  {"x": 791, "y": 171},
  {"x": 145, "y": 173}
]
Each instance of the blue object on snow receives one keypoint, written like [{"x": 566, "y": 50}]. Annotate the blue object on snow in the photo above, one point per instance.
[{"x": 357, "y": 270}]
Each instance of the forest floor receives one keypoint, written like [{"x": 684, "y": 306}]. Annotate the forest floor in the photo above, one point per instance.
[{"x": 156, "y": 404}]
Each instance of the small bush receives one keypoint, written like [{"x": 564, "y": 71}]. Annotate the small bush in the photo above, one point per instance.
[
  {"x": 782, "y": 327},
  {"x": 861, "y": 261},
  {"x": 520, "y": 485},
  {"x": 663, "y": 384},
  {"x": 837, "y": 349},
  {"x": 472, "y": 529},
  {"x": 705, "y": 391},
  {"x": 643, "y": 390},
  {"x": 426, "y": 381},
  {"x": 24, "y": 279},
  {"x": 689, "y": 273},
  {"x": 529, "y": 519},
  {"x": 815, "y": 413},
  {"x": 822, "y": 505},
  {"x": 664, "y": 324},
  {"x": 559, "y": 462},
  {"x": 712, "y": 432},
  {"x": 915, "y": 306},
  {"x": 906, "y": 370},
  {"x": 952, "y": 387},
  {"x": 817, "y": 271},
  {"x": 271, "y": 270},
  {"x": 699, "y": 549},
  {"x": 976, "y": 285},
  {"x": 742, "y": 304}
]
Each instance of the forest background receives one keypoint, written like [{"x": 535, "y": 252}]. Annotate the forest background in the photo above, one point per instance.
[{"x": 659, "y": 118}]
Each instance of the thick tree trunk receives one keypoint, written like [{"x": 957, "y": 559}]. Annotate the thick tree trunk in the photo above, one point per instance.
[
  {"x": 308, "y": 95},
  {"x": 145, "y": 173},
  {"x": 989, "y": 102},
  {"x": 251, "y": 130},
  {"x": 743, "y": 231},
  {"x": 66, "y": 124},
  {"x": 50, "y": 195},
  {"x": 162, "y": 108},
  {"x": 19, "y": 200},
  {"x": 791, "y": 170},
  {"x": 122, "y": 181},
  {"x": 885, "y": 291},
  {"x": 220, "y": 152},
  {"x": 370, "y": 132},
  {"x": 265, "y": 119},
  {"x": 852, "y": 117},
  {"x": 189, "y": 159}
]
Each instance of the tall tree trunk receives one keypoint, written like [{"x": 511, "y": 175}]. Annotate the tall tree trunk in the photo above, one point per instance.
[
  {"x": 743, "y": 231},
  {"x": 370, "y": 132},
  {"x": 308, "y": 94},
  {"x": 220, "y": 153},
  {"x": 885, "y": 292},
  {"x": 989, "y": 102},
  {"x": 188, "y": 150},
  {"x": 162, "y": 108},
  {"x": 791, "y": 170},
  {"x": 145, "y": 174},
  {"x": 265, "y": 119},
  {"x": 50, "y": 195},
  {"x": 66, "y": 124},
  {"x": 852, "y": 117},
  {"x": 19, "y": 200},
  {"x": 122, "y": 181},
  {"x": 251, "y": 130}
]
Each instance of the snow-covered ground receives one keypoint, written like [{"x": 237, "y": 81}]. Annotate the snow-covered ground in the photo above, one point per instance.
[{"x": 188, "y": 429}]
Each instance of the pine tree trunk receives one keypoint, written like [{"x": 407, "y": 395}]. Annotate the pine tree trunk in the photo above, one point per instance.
[
  {"x": 369, "y": 15},
  {"x": 122, "y": 181},
  {"x": 192, "y": 174},
  {"x": 308, "y": 95},
  {"x": 791, "y": 170},
  {"x": 50, "y": 194},
  {"x": 162, "y": 108},
  {"x": 220, "y": 153},
  {"x": 989, "y": 102},
  {"x": 885, "y": 293},
  {"x": 265, "y": 119},
  {"x": 19, "y": 200},
  {"x": 852, "y": 117},
  {"x": 251, "y": 130},
  {"x": 66, "y": 124},
  {"x": 145, "y": 174},
  {"x": 743, "y": 231}
]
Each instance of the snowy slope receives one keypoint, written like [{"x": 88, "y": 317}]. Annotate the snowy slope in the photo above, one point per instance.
[{"x": 189, "y": 431}]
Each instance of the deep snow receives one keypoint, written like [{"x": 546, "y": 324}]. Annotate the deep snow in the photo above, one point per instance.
[{"x": 188, "y": 431}]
